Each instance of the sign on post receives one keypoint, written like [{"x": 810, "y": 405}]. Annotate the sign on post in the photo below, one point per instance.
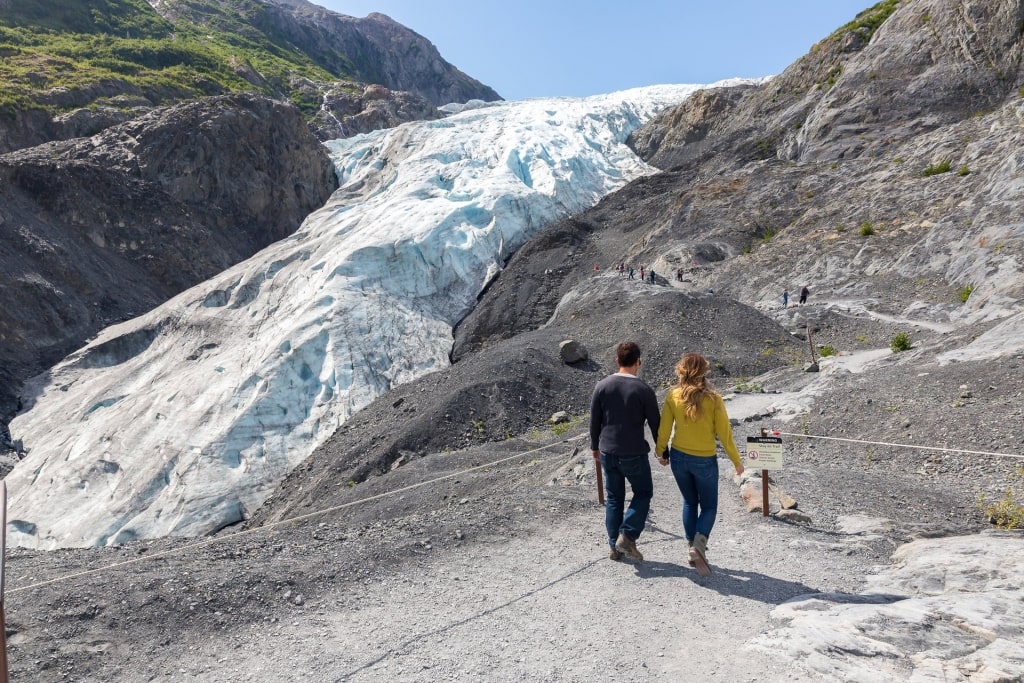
[{"x": 764, "y": 453}]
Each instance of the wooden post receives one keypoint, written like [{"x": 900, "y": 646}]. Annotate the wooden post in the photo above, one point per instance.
[
  {"x": 3, "y": 558},
  {"x": 764, "y": 474},
  {"x": 811, "y": 345}
]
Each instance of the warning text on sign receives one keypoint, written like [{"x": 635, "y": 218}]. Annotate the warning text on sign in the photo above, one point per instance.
[{"x": 763, "y": 453}]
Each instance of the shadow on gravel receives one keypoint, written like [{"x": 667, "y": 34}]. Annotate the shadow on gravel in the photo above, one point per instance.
[
  {"x": 726, "y": 581},
  {"x": 412, "y": 640}
]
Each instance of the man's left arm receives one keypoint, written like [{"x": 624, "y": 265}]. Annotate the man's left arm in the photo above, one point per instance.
[
  {"x": 596, "y": 416},
  {"x": 652, "y": 413}
]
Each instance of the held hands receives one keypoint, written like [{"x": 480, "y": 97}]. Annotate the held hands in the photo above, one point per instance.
[{"x": 663, "y": 458}]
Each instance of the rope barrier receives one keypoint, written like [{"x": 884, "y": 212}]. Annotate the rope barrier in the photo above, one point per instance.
[
  {"x": 300, "y": 518},
  {"x": 899, "y": 445},
  {"x": 291, "y": 520}
]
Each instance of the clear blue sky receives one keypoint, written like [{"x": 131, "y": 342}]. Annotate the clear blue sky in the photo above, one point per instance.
[{"x": 539, "y": 48}]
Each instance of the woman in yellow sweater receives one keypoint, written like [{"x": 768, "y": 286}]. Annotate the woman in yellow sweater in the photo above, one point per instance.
[{"x": 693, "y": 415}]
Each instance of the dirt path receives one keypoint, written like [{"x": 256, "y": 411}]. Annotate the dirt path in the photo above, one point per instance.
[{"x": 549, "y": 605}]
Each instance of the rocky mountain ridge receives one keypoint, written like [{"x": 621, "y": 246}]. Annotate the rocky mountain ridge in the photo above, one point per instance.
[{"x": 69, "y": 72}]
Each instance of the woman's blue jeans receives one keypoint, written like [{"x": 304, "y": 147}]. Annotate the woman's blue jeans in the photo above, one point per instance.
[
  {"x": 617, "y": 470},
  {"x": 697, "y": 479}
]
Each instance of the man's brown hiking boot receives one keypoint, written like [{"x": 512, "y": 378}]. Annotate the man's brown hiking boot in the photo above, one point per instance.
[
  {"x": 627, "y": 546},
  {"x": 614, "y": 555}
]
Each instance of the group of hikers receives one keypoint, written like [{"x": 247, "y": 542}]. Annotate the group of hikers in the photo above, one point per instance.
[
  {"x": 691, "y": 417},
  {"x": 804, "y": 293},
  {"x": 630, "y": 272}
]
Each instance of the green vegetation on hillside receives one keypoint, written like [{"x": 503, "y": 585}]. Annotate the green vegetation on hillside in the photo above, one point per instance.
[
  {"x": 868, "y": 21},
  {"x": 63, "y": 54}
]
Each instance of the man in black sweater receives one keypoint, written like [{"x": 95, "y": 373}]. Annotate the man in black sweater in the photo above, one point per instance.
[{"x": 620, "y": 405}]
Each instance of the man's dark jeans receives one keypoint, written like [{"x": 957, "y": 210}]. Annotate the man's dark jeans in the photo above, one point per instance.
[{"x": 636, "y": 469}]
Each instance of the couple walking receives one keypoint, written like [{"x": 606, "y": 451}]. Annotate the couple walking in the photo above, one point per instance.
[{"x": 692, "y": 416}]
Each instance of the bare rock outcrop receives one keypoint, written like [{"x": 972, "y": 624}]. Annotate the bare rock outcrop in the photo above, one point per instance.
[
  {"x": 345, "y": 113},
  {"x": 95, "y": 230}
]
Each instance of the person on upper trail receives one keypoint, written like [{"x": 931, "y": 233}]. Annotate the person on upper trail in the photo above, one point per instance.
[
  {"x": 619, "y": 407},
  {"x": 641, "y": 273},
  {"x": 692, "y": 416},
  {"x": 785, "y": 297},
  {"x": 631, "y": 273},
  {"x": 652, "y": 276},
  {"x": 804, "y": 293}
]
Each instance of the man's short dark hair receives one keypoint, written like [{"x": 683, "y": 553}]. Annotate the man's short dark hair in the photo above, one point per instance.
[{"x": 627, "y": 354}]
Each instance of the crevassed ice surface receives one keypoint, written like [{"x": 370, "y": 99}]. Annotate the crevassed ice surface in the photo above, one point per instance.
[{"x": 183, "y": 420}]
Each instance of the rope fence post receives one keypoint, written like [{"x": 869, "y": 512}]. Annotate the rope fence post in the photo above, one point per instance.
[{"x": 3, "y": 558}]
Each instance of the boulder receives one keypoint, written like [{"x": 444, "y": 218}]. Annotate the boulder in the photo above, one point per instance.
[{"x": 571, "y": 351}]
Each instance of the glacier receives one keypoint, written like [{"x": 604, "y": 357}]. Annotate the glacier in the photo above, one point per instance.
[{"x": 183, "y": 420}]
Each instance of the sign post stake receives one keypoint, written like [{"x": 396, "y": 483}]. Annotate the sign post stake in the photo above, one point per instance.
[
  {"x": 764, "y": 453},
  {"x": 764, "y": 482},
  {"x": 3, "y": 557}
]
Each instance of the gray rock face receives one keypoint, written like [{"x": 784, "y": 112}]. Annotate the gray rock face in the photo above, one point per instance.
[
  {"x": 930, "y": 64},
  {"x": 345, "y": 114},
  {"x": 96, "y": 230},
  {"x": 374, "y": 49}
]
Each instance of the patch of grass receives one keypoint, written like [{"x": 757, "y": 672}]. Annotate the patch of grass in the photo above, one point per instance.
[
  {"x": 125, "y": 45},
  {"x": 901, "y": 342},
  {"x": 965, "y": 293},
  {"x": 827, "y": 350},
  {"x": 840, "y": 228},
  {"x": 867, "y": 22},
  {"x": 861, "y": 339},
  {"x": 866, "y": 229},
  {"x": 963, "y": 170},
  {"x": 745, "y": 387},
  {"x": 560, "y": 428},
  {"x": 833, "y": 76},
  {"x": 768, "y": 234},
  {"x": 937, "y": 168},
  {"x": 1008, "y": 511}
]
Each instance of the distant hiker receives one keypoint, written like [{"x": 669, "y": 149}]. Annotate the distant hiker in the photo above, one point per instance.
[
  {"x": 785, "y": 298},
  {"x": 804, "y": 293},
  {"x": 622, "y": 268},
  {"x": 652, "y": 276},
  {"x": 596, "y": 269},
  {"x": 631, "y": 273},
  {"x": 641, "y": 273},
  {"x": 693, "y": 415},
  {"x": 679, "y": 274},
  {"x": 620, "y": 405}
]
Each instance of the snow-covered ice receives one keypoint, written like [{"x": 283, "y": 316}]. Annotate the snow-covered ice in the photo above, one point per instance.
[{"x": 183, "y": 420}]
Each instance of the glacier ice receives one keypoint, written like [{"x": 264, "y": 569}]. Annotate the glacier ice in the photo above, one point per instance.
[{"x": 184, "y": 420}]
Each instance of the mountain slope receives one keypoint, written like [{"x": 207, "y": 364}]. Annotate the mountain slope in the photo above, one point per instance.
[{"x": 72, "y": 56}]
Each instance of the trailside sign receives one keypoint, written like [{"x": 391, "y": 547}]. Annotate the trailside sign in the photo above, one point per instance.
[{"x": 764, "y": 453}]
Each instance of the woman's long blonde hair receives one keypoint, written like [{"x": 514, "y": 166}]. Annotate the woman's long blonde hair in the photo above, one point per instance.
[{"x": 692, "y": 371}]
